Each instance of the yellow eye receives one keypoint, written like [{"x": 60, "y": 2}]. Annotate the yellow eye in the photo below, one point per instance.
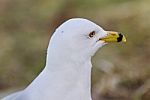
[{"x": 92, "y": 34}]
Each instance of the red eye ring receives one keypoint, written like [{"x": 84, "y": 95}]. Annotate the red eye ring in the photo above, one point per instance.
[{"x": 92, "y": 34}]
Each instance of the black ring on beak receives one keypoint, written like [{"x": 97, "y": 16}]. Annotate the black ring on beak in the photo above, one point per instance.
[{"x": 119, "y": 39}]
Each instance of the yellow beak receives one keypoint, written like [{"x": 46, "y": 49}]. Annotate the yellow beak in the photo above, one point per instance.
[{"x": 113, "y": 37}]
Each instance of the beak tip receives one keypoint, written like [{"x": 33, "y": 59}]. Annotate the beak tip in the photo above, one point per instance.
[{"x": 124, "y": 39}]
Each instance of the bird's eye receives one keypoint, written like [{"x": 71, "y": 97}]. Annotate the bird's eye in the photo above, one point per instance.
[{"x": 92, "y": 34}]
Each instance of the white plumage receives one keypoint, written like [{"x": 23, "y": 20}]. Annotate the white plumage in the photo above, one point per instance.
[{"x": 67, "y": 74}]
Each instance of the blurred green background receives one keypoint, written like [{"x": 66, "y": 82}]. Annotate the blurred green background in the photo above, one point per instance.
[{"x": 120, "y": 71}]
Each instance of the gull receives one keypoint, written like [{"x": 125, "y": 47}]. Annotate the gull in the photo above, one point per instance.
[{"x": 67, "y": 73}]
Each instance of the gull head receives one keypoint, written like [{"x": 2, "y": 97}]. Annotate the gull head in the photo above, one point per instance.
[{"x": 81, "y": 37}]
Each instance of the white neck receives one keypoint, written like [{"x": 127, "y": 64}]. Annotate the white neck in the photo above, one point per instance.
[{"x": 70, "y": 80}]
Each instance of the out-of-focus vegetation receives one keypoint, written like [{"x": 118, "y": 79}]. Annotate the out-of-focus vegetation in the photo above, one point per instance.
[{"x": 121, "y": 71}]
